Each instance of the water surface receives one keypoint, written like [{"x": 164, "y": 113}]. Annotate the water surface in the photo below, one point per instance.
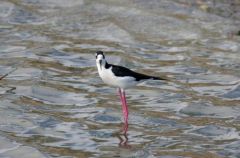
[{"x": 54, "y": 104}]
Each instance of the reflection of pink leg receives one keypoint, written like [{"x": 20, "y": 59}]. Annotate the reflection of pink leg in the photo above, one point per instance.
[{"x": 123, "y": 141}]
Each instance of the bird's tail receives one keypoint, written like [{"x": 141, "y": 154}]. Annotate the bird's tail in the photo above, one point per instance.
[
  {"x": 159, "y": 78},
  {"x": 146, "y": 77}
]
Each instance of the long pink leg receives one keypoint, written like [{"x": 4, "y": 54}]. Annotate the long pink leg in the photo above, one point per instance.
[
  {"x": 121, "y": 97},
  {"x": 124, "y": 109},
  {"x": 125, "y": 106}
]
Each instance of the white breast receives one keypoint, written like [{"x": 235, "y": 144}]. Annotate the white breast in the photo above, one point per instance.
[{"x": 109, "y": 78}]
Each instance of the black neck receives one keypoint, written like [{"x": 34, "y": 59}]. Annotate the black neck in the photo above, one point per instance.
[{"x": 107, "y": 65}]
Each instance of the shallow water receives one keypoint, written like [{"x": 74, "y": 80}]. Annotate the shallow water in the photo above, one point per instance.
[{"x": 54, "y": 104}]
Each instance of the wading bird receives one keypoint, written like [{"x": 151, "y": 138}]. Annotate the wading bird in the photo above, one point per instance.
[{"x": 120, "y": 77}]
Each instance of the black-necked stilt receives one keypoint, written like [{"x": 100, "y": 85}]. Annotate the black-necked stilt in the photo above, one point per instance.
[{"x": 120, "y": 77}]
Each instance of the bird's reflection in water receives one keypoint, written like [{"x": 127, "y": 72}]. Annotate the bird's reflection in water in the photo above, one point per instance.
[
  {"x": 123, "y": 141},
  {"x": 123, "y": 136}
]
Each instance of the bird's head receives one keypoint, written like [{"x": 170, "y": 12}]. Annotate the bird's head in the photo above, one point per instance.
[{"x": 100, "y": 58}]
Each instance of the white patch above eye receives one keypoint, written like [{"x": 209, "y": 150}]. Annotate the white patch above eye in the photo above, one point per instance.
[{"x": 100, "y": 56}]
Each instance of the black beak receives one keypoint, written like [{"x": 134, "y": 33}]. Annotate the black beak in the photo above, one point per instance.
[{"x": 100, "y": 62}]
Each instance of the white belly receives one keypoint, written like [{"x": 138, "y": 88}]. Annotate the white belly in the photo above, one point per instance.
[{"x": 109, "y": 78}]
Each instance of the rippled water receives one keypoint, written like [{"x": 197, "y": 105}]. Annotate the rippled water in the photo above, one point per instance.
[{"x": 53, "y": 104}]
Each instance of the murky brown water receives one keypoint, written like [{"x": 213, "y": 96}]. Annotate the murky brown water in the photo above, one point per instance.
[{"x": 55, "y": 105}]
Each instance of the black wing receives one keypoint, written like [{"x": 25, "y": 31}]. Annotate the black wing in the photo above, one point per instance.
[{"x": 122, "y": 72}]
